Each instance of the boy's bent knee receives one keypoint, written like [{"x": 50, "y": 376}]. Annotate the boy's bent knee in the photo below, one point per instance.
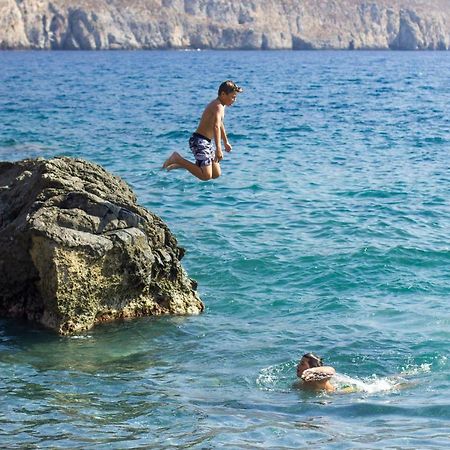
[
  {"x": 216, "y": 172},
  {"x": 206, "y": 173}
]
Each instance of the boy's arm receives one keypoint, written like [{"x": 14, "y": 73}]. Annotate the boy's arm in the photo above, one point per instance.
[
  {"x": 225, "y": 138},
  {"x": 218, "y": 133}
]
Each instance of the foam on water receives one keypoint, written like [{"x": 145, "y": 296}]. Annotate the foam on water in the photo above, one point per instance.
[{"x": 372, "y": 385}]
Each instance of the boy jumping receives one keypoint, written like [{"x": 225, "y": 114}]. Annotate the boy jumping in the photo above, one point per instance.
[{"x": 211, "y": 126}]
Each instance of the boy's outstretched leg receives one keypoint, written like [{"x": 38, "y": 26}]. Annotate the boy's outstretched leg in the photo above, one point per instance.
[
  {"x": 170, "y": 164},
  {"x": 176, "y": 161}
]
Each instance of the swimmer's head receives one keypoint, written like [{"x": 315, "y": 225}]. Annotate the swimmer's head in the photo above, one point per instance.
[{"x": 308, "y": 361}]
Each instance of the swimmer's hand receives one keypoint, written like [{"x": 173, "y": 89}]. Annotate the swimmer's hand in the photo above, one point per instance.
[
  {"x": 318, "y": 373},
  {"x": 228, "y": 146}
]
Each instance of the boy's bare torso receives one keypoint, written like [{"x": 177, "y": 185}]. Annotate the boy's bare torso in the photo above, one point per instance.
[{"x": 213, "y": 113}]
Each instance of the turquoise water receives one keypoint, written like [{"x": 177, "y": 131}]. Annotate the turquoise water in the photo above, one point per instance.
[{"x": 327, "y": 232}]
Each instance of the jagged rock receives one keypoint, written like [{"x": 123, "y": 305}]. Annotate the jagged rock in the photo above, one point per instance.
[
  {"x": 225, "y": 24},
  {"x": 78, "y": 250}
]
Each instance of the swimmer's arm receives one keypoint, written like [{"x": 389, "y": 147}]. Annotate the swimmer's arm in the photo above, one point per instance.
[
  {"x": 318, "y": 373},
  {"x": 325, "y": 370}
]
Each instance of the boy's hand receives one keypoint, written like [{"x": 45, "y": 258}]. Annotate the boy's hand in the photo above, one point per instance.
[
  {"x": 228, "y": 147},
  {"x": 219, "y": 155}
]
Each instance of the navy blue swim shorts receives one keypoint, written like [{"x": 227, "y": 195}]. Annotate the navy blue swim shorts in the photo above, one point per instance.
[{"x": 202, "y": 149}]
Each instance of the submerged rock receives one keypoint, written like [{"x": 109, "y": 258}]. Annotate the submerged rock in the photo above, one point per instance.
[{"x": 77, "y": 249}]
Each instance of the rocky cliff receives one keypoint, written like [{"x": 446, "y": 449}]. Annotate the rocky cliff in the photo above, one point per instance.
[
  {"x": 225, "y": 24},
  {"x": 78, "y": 250}
]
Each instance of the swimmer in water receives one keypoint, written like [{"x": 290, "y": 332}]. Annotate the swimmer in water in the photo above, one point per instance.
[{"x": 314, "y": 375}]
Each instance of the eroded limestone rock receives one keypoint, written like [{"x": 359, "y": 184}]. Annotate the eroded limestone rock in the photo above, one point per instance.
[{"x": 77, "y": 249}]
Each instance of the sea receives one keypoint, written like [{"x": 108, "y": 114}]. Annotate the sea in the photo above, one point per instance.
[{"x": 328, "y": 232}]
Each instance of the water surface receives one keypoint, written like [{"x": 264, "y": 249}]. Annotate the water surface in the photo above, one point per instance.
[{"x": 327, "y": 232}]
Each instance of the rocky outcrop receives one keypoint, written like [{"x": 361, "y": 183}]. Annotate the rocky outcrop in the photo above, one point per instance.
[
  {"x": 78, "y": 250},
  {"x": 225, "y": 24}
]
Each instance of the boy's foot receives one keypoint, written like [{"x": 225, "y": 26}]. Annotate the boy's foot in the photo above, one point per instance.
[
  {"x": 173, "y": 167},
  {"x": 171, "y": 161}
]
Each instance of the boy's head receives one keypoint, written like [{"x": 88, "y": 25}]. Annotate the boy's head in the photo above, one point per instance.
[
  {"x": 228, "y": 92},
  {"x": 229, "y": 87}
]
